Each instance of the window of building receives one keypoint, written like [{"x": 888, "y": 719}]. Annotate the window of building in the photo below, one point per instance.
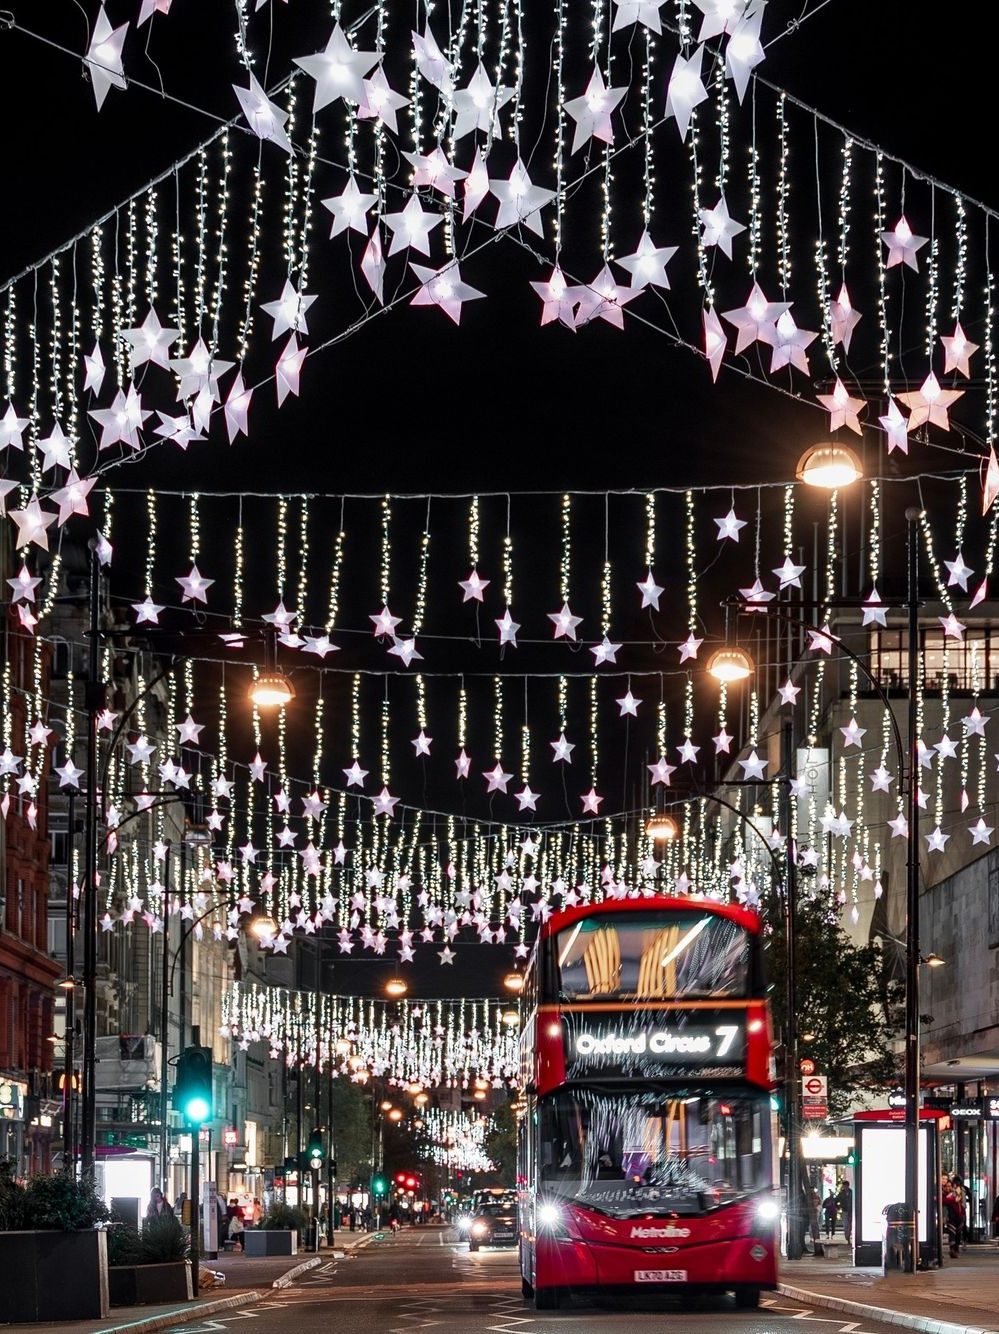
[{"x": 967, "y": 664}]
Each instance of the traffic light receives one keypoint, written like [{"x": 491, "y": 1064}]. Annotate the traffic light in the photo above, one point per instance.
[
  {"x": 379, "y": 1186},
  {"x": 192, "y": 1092},
  {"x": 315, "y": 1152}
]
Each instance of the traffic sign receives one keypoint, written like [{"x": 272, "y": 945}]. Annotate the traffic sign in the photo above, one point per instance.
[{"x": 807, "y": 1066}]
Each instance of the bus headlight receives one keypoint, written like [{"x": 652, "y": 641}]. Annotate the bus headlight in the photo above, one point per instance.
[{"x": 768, "y": 1211}]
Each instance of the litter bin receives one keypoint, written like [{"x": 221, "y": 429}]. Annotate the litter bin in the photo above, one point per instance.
[
  {"x": 897, "y": 1247},
  {"x": 312, "y": 1235}
]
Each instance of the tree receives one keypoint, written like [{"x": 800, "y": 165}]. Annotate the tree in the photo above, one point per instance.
[
  {"x": 501, "y": 1142},
  {"x": 844, "y": 997}
]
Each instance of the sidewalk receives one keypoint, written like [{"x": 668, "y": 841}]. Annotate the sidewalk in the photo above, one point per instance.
[{"x": 963, "y": 1296}]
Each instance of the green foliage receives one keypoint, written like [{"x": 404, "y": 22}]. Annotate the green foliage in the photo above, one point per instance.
[
  {"x": 844, "y": 997},
  {"x": 501, "y": 1142},
  {"x": 283, "y": 1216},
  {"x": 58, "y": 1202}
]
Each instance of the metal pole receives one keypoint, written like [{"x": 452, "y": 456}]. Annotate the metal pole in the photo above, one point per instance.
[
  {"x": 94, "y": 702},
  {"x": 165, "y": 1031},
  {"x": 912, "y": 516},
  {"x": 795, "y": 1228},
  {"x": 69, "y": 1065}
]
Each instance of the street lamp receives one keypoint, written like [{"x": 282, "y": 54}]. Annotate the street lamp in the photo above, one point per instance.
[
  {"x": 728, "y": 665},
  {"x": 829, "y": 466}
]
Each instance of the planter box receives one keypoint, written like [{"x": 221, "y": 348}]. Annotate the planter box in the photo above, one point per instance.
[
  {"x": 141, "y": 1285},
  {"x": 279, "y": 1242},
  {"x": 53, "y": 1276}
]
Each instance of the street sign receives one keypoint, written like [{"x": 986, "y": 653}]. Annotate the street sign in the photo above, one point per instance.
[{"x": 807, "y": 1066}]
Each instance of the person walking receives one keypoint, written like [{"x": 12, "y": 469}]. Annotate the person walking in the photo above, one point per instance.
[
  {"x": 830, "y": 1208},
  {"x": 845, "y": 1201}
]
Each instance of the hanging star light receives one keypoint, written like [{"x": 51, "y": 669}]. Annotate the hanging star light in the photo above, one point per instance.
[
  {"x": 592, "y": 112},
  {"x": 444, "y": 288},
  {"x": 264, "y": 117},
  {"x": 103, "y": 59},
  {"x": 844, "y": 410},
  {"x": 902, "y": 245},
  {"x": 930, "y": 403}
]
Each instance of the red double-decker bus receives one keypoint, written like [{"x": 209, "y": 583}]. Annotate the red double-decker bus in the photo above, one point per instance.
[{"x": 646, "y": 1150}]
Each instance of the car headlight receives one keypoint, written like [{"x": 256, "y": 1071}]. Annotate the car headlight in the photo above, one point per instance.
[
  {"x": 768, "y": 1211},
  {"x": 479, "y": 1229}
]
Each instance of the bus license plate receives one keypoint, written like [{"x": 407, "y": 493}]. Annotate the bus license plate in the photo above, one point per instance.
[{"x": 660, "y": 1275}]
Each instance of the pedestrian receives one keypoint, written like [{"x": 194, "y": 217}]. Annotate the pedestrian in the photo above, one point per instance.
[
  {"x": 158, "y": 1206},
  {"x": 845, "y": 1202},
  {"x": 830, "y": 1208}
]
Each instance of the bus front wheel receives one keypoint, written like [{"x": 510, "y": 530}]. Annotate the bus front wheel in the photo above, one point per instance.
[
  {"x": 747, "y": 1299},
  {"x": 547, "y": 1299}
]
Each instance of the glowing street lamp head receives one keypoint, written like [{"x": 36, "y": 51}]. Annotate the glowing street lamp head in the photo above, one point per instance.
[
  {"x": 728, "y": 665},
  {"x": 829, "y": 466}
]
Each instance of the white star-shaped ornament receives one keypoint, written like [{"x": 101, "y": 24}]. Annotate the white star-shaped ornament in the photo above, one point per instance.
[
  {"x": 564, "y": 622},
  {"x": 338, "y": 70},
  {"x": 650, "y": 591},
  {"x": 788, "y": 692},
  {"x": 265, "y": 118},
  {"x": 559, "y": 301},
  {"x": 520, "y": 200},
  {"x": 496, "y": 779},
  {"x": 952, "y": 627},
  {"x": 685, "y": 89},
  {"x": 473, "y": 587},
  {"x": 752, "y": 767},
  {"x": 477, "y": 106},
  {"x": 526, "y": 799},
  {"x": 789, "y": 574},
  {"x": 661, "y": 771},
  {"x": 562, "y": 750},
  {"x": 744, "y": 50},
  {"x": 150, "y": 341},
  {"x": 189, "y": 732},
  {"x": 958, "y": 351},
  {"x": 628, "y": 704},
  {"x": 937, "y": 840},
  {"x": 592, "y": 112},
  {"x": 843, "y": 319},
  {"x": 853, "y": 734},
  {"x": 881, "y": 779},
  {"x": 412, "y": 227},
  {"x": 32, "y": 524},
  {"x": 902, "y": 245},
  {"x": 689, "y": 647},
  {"x": 147, "y": 612},
  {"x": 756, "y": 321},
  {"x": 981, "y": 833},
  {"x": 289, "y": 311},
  {"x": 288, "y": 370},
  {"x": 896, "y": 428},
  {"x": 843, "y": 410},
  {"x": 103, "y": 58},
  {"x": 591, "y": 802},
  {"x": 444, "y": 288},
  {"x": 930, "y": 403},
  {"x": 463, "y": 764},
  {"x": 380, "y": 101},
  {"x": 603, "y": 652},
  {"x": 647, "y": 265},
  {"x": 720, "y": 228},
  {"x": 194, "y": 586},
  {"x": 350, "y": 209},
  {"x": 789, "y": 349},
  {"x": 508, "y": 628},
  {"x": 729, "y": 526}
]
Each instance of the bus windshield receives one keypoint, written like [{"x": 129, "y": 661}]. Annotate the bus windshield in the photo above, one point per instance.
[
  {"x": 628, "y": 1152},
  {"x": 642, "y": 956}
]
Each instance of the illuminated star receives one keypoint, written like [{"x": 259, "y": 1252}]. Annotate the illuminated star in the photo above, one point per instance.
[
  {"x": 650, "y": 591},
  {"x": 477, "y": 106},
  {"x": 756, "y": 321},
  {"x": 564, "y": 622},
  {"x": 508, "y": 628},
  {"x": 444, "y": 288},
  {"x": 881, "y": 779},
  {"x": 32, "y": 524},
  {"x": 147, "y": 612},
  {"x": 686, "y": 89},
  {"x": 384, "y": 803},
  {"x": 591, "y": 802},
  {"x": 473, "y": 587},
  {"x": 930, "y": 403},
  {"x": 150, "y": 342},
  {"x": 628, "y": 704},
  {"x": 380, "y": 101},
  {"x": 338, "y": 70},
  {"x": 714, "y": 342},
  {"x": 843, "y": 319},
  {"x": 853, "y": 735},
  {"x": 720, "y": 228},
  {"x": 592, "y": 112},
  {"x": 788, "y": 692},
  {"x": 520, "y": 200},
  {"x": 496, "y": 779},
  {"x": 604, "y": 652},
  {"x": 194, "y": 586},
  {"x": 350, "y": 209},
  {"x": 103, "y": 58},
  {"x": 959, "y": 573},
  {"x": 752, "y": 767},
  {"x": 526, "y": 799},
  {"x": 562, "y": 750},
  {"x": 843, "y": 410},
  {"x": 937, "y": 840},
  {"x": 265, "y": 118},
  {"x": 952, "y": 627},
  {"x": 463, "y": 764},
  {"x": 648, "y": 263},
  {"x": 661, "y": 771},
  {"x": 289, "y": 310},
  {"x": 789, "y": 574},
  {"x": 688, "y": 649},
  {"x": 957, "y": 352},
  {"x": 789, "y": 349},
  {"x": 902, "y": 245},
  {"x": 288, "y": 370},
  {"x": 412, "y": 227},
  {"x": 895, "y": 427},
  {"x": 559, "y": 301},
  {"x": 729, "y": 526},
  {"x": 981, "y": 833}
]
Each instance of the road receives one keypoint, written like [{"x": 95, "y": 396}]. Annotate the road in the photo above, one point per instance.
[{"x": 425, "y": 1278}]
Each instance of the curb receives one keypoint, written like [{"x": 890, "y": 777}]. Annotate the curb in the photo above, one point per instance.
[
  {"x": 904, "y": 1321},
  {"x": 286, "y": 1279},
  {"x": 184, "y": 1314}
]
